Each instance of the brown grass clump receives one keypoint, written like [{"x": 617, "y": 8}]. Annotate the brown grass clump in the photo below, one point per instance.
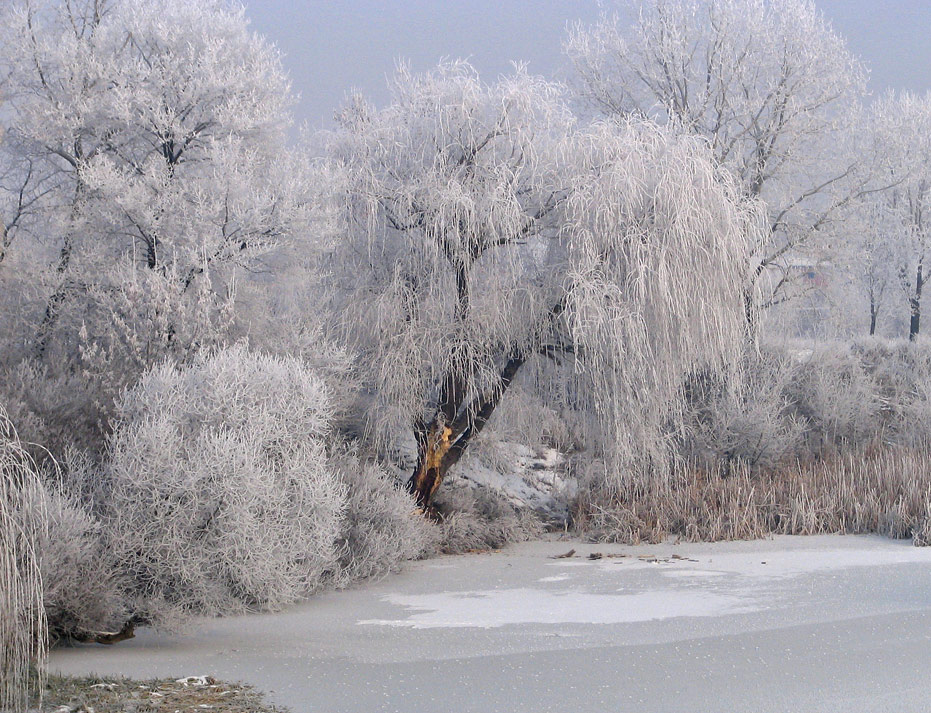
[
  {"x": 886, "y": 492},
  {"x": 65, "y": 694}
]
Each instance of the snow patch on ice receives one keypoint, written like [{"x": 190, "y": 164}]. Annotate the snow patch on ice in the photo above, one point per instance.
[
  {"x": 697, "y": 573},
  {"x": 501, "y": 607}
]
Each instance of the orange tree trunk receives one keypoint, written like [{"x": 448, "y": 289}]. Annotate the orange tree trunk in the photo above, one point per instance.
[
  {"x": 441, "y": 445},
  {"x": 429, "y": 472}
]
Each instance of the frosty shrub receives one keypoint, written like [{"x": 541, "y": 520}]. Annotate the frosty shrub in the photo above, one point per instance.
[
  {"x": 743, "y": 416},
  {"x": 864, "y": 395},
  {"x": 903, "y": 376},
  {"x": 57, "y": 409},
  {"x": 482, "y": 519},
  {"x": 799, "y": 439},
  {"x": 22, "y": 617},
  {"x": 382, "y": 526},
  {"x": 219, "y": 497},
  {"x": 836, "y": 392},
  {"x": 786, "y": 403},
  {"x": 83, "y": 587}
]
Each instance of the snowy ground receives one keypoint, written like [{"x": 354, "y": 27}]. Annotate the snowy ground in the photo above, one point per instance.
[{"x": 788, "y": 624}]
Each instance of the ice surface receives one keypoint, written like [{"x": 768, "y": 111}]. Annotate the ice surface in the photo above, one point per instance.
[{"x": 789, "y": 624}]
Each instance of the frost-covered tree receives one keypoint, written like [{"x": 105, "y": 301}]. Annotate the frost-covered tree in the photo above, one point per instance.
[
  {"x": 768, "y": 83},
  {"x": 488, "y": 236},
  {"x": 148, "y": 145},
  {"x": 868, "y": 296},
  {"x": 900, "y": 233}
]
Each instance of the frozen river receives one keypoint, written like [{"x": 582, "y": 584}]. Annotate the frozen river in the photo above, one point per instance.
[{"x": 788, "y": 624}]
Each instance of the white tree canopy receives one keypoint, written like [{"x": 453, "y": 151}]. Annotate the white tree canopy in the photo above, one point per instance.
[
  {"x": 485, "y": 230},
  {"x": 768, "y": 83},
  {"x": 152, "y": 137},
  {"x": 899, "y": 230}
]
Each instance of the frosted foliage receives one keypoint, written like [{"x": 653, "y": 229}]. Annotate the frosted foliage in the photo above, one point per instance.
[
  {"x": 83, "y": 588},
  {"x": 835, "y": 391},
  {"x": 156, "y": 133},
  {"x": 768, "y": 83},
  {"x": 22, "y": 617},
  {"x": 905, "y": 378},
  {"x": 747, "y": 419},
  {"x": 789, "y": 405},
  {"x": 527, "y": 417},
  {"x": 218, "y": 495},
  {"x": 54, "y": 409},
  {"x": 901, "y": 131},
  {"x": 382, "y": 527},
  {"x": 486, "y": 229},
  {"x": 482, "y": 519},
  {"x": 869, "y": 301}
]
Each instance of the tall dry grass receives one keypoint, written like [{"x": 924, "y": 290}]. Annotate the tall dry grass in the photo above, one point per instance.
[
  {"x": 885, "y": 491},
  {"x": 23, "y": 635}
]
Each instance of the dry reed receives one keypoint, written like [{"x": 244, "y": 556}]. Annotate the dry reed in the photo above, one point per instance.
[
  {"x": 886, "y": 492},
  {"x": 23, "y": 636}
]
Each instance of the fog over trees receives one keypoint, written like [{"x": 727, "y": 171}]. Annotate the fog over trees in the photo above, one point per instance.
[{"x": 237, "y": 366}]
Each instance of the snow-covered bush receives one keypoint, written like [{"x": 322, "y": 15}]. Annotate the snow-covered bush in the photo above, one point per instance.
[
  {"x": 481, "y": 519},
  {"x": 219, "y": 496},
  {"x": 382, "y": 526},
  {"x": 786, "y": 404},
  {"x": 58, "y": 409},
  {"x": 836, "y": 392},
  {"x": 83, "y": 586},
  {"x": 800, "y": 439},
  {"x": 22, "y": 617},
  {"x": 743, "y": 416},
  {"x": 903, "y": 376}
]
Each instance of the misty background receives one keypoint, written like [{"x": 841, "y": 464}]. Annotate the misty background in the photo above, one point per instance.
[{"x": 330, "y": 48}]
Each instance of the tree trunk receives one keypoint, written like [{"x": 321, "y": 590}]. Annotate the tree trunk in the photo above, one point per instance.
[
  {"x": 914, "y": 302},
  {"x": 430, "y": 470},
  {"x": 108, "y": 638},
  {"x": 55, "y": 301},
  {"x": 441, "y": 445}
]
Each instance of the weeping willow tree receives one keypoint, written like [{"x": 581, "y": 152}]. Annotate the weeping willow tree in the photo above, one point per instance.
[
  {"x": 22, "y": 612},
  {"x": 771, "y": 87},
  {"x": 488, "y": 235}
]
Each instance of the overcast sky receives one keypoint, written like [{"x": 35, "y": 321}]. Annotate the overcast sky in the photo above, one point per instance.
[{"x": 332, "y": 46}]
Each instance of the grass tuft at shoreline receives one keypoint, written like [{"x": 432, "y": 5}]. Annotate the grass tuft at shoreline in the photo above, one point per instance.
[{"x": 69, "y": 694}]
